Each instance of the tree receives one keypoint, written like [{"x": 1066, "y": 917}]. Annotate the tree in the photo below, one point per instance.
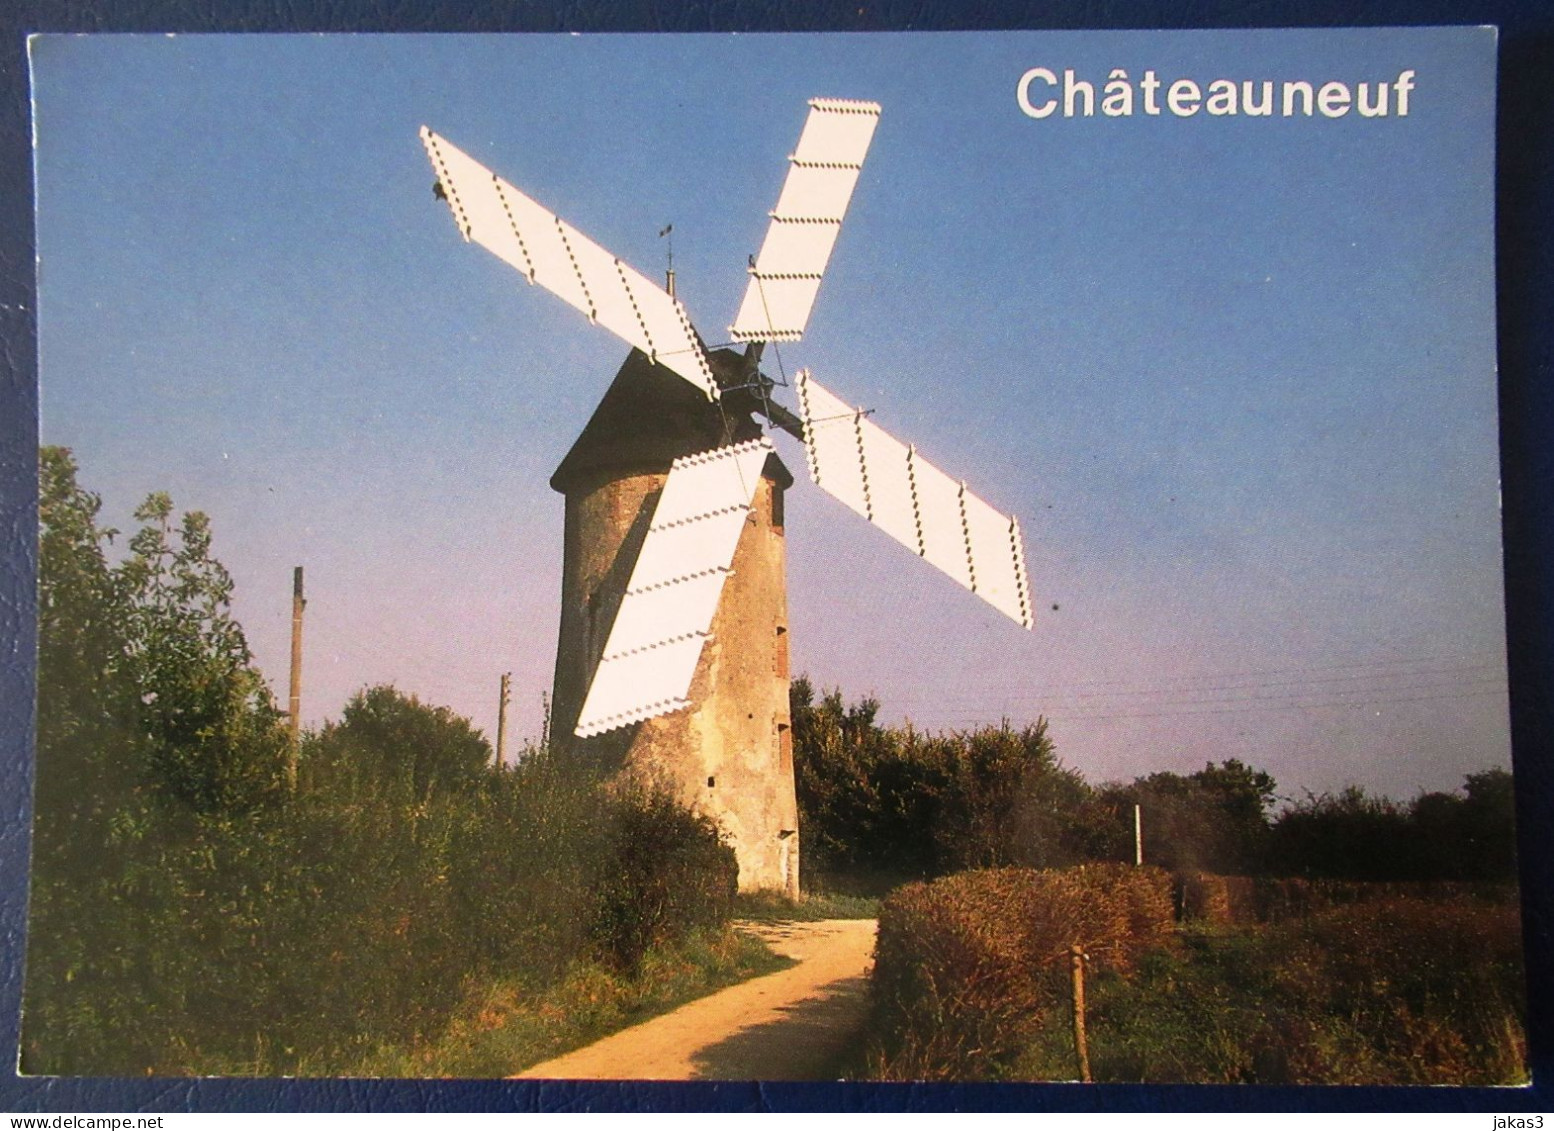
[
  {"x": 213, "y": 735},
  {"x": 835, "y": 752},
  {"x": 85, "y": 764},
  {"x": 83, "y": 700},
  {"x": 79, "y": 622},
  {"x": 1346, "y": 835},
  {"x": 386, "y": 736},
  {"x": 1438, "y": 836},
  {"x": 1215, "y": 819},
  {"x": 893, "y": 803},
  {"x": 1011, "y": 800},
  {"x": 1489, "y": 826}
]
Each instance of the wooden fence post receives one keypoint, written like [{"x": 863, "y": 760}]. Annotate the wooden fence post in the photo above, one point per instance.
[{"x": 1076, "y": 965}]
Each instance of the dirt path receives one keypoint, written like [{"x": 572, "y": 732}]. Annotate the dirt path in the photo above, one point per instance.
[{"x": 795, "y": 1024}]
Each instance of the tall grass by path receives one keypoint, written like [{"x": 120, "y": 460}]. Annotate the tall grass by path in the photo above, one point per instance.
[
  {"x": 505, "y": 1025},
  {"x": 812, "y": 906},
  {"x": 1395, "y": 991}
]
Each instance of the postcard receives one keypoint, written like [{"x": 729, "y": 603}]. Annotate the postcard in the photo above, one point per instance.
[{"x": 902, "y": 556}]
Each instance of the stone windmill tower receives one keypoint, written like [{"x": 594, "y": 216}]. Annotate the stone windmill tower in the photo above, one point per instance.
[
  {"x": 673, "y": 654},
  {"x": 729, "y": 752}
]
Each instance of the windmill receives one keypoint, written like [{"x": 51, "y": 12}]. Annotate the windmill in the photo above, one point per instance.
[{"x": 672, "y": 658}]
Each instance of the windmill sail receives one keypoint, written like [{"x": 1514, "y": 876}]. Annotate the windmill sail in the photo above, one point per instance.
[
  {"x": 547, "y": 250},
  {"x": 821, "y": 175},
  {"x": 888, "y": 483},
  {"x": 666, "y": 615}
]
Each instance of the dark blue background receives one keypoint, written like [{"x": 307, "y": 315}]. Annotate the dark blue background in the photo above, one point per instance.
[{"x": 1525, "y": 207}]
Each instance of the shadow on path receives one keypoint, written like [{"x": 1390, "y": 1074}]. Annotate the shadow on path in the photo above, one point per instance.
[{"x": 808, "y": 1041}]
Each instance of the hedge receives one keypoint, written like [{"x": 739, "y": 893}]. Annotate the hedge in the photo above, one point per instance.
[{"x": 967, "y": 967}]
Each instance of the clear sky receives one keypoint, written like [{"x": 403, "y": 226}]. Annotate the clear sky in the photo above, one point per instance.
[{"x": 1235, "y": 375}]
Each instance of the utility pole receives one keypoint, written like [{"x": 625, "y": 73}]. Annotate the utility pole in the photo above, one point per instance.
[
  {"x": 1138, "y": 835},
  {"x": 501, "y": 718},
  {"x": 297, "y": 605}
]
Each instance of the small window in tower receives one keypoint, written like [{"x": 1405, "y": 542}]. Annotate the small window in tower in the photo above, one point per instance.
[{"x": 711, "y": 781}]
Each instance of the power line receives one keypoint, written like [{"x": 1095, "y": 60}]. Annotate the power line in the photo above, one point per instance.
[
  {"x": 1255, "y": 708},
  {"x": 1192, "y": 695},
  {"x": 1247, "y": 707},
  {"x": 1132, "y": 689}
]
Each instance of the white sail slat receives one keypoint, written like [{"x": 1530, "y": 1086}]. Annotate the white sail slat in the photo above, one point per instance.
[
  {"x": 934, "y": 516},
  {"x": 941, "y": 530},
  {"x": 888, "y": 483},
  {"x": 547, "y": 250},
  {"x": 662, "y": 613},
  {"x": 712, "y": 481},
  {"x": 831, "y": 444},
  {"x": 822, "y": 174},
  {"x": 676, "y": 583},
  {"x": 640, "y": 685},
  {"x": 997, "y": 562},
  {"x": 837, "y": 132},
  {"x": 687, "y": 548}
]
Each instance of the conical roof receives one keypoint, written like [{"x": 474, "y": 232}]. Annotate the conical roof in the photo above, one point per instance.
[{"x": 649, "y": 417}]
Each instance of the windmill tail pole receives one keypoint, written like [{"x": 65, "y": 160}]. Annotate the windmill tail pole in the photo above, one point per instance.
[{"x": 294, "y": 704}]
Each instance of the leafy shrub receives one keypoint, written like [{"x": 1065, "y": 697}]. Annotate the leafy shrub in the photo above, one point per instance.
[
  {"x": 967, "y": 968},
  {"x": 667, "y": 871},
  {"x": 358, "y": 916}
]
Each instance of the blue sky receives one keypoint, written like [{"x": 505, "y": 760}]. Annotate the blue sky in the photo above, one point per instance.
[{"x": 1235, "y": 376}]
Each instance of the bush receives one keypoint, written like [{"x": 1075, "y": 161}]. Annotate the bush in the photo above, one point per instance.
[
  {"x": 1432, "y": 988},
  {"x": 967, "y": 968},
  {"x": 356, "y": 917},
  {"x": 666, "y": 872}
]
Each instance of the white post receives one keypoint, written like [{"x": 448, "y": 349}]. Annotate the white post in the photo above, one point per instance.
[{"x": 1138, "y": 836}]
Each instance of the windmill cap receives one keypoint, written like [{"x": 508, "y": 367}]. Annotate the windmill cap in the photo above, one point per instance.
[{"x": 649, "y": 417}]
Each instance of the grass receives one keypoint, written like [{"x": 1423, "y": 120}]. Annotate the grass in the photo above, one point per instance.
[
  {"x": 1413, "y": 988},
  {"x": 505, "y": 1026},
  {"x": 1188, "y": 1013},
  {"x": 770, "y": 907},
  {"x": 1419, "y": 993}
]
